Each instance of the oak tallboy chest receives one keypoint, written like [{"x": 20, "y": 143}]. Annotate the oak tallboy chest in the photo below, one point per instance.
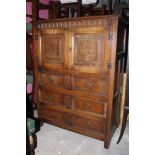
[{"x": 78, "y": 73}]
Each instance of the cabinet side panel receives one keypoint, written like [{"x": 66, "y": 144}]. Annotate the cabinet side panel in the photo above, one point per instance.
[
  {"x": 111, "y": 73},
  {"x": 119, "y": 74}
]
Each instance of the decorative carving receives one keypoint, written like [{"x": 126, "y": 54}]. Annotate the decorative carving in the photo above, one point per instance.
[
  {"x": 52, "y": 48},
  {"x": 88, "y": 49},
  {"x": 88, "y": 85},
  {"x": 54, "y": 78},
  {"x": 82, "y": 84},
  {"x": 68, "y": 101},
  {"x": 68, "y": 82},
  {"x": 65, "y": 23},
  {"x": 98, "y": 87}
]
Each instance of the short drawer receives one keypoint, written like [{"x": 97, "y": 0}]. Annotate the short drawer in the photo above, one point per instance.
[
  {"x": 89, "y": 85},
  {"x": 96, "y": 124},
  {"x": 55, "y": 99},
  {"x": 55, "y": 116},
  {"x": 90, "y": 106}
]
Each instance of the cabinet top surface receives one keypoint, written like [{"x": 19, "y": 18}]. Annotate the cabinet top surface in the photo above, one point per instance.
[{"x": 78, "y": 18}]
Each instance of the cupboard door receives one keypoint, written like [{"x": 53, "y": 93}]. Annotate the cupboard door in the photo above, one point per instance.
[
  {"x": 51, "y": 49},
  {"x": 90, "y": 49}
]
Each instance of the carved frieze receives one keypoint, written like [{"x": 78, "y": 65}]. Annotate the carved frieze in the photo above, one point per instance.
[{"x": 77, "y": 22}]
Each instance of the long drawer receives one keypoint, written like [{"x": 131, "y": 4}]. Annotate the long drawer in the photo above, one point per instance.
[
  {"x": 72, "y": 102},
  {"x": 72, "y": 82},
  {"x": 55, "y": 116},
  {"x": 89, "y": 85},
  {"x": 93, "y": 124},
  {"x": 90, "y": 105},
  {"x": 55, "y": 99},
  {"x": 54, "y": 78}
]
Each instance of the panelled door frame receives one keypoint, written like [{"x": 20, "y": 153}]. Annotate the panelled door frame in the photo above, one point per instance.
[
  {"x": 85, "y": 58},
  {"x": 58, "y": 41}
]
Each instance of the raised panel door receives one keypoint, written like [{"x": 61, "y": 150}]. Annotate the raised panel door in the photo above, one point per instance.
[
  {"x": 90, "y": 50},
  {"x": 51, "y": 49}
]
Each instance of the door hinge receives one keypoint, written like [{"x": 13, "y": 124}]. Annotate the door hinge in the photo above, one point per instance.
[
  {"x": 109, "y": 64},
  {"x": 110, "y": 36}
]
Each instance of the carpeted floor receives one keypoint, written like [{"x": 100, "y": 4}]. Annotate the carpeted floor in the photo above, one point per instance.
[{"x": 56, "y": 141}]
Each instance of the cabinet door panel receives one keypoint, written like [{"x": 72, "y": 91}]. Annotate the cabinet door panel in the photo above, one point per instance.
[
  {"x": 51, "y": 50},
  {"x": 89, "y": 50}
]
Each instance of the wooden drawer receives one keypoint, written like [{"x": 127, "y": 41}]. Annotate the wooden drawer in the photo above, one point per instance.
[
  {"x": 55, "y": 99},
  {"x": 53, "y": 78},
  {"x": 95, "y": 124},
  {"x": 55, "y": 116},
  {"x": 91, "y": 106},
  {"x": 89, "y": 85}
]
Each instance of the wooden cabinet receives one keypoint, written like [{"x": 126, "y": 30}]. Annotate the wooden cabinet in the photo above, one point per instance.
[{"x": 78, "y": 74}]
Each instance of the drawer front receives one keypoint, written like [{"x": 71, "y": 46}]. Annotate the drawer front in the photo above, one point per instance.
[
  {"x": 90, "y": 106},
  {"x": 56, "y": 99},
  {"x": 89, "y": 85},
  {"x": 55, "y": 116},
  {"x": 94, "y": 125},
  {"x": 54, "y": 78}
]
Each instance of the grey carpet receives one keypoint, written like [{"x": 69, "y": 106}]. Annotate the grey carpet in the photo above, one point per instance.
[{"x": 56, "y": 141}]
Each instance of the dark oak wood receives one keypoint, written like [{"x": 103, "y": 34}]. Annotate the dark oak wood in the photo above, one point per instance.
[{"x": 78, "y": 74}]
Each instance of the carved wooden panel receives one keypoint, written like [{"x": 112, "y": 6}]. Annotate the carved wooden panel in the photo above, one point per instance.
[
  {"x": 88, "y": 49},
  {"x": 55, "y": 116},
  {"x": 92, "y": 86},
  {"x": 96, "y": 124},
  {"x": 91, "y": 106},
  {"x": 52, "y": 48},
  {"x": 56, "y": 99},
  {"x": 54, "y": 78},
  {"x": 68, "y": 82},
  {"x": 51, "y": 98},
  {"x": 52, "y": 115},
  {"x": 68, "y": 99},
  {"x": 76, "y": 22}
]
